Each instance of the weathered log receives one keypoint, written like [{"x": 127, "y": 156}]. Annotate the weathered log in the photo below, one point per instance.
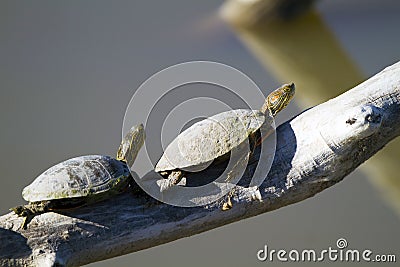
[{"x": 315, "y": 150}]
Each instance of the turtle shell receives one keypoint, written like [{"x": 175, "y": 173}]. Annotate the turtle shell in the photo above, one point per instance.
[
  {"x": 210, "y": 138},
  {"x": 78, "y": 177}
]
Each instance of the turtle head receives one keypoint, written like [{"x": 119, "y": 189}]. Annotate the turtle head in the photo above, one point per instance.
[
  {"x": 278, "y": 99},
  {"x": 131, "y": 144}
]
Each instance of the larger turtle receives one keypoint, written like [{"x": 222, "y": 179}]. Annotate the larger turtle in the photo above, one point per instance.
[
  {"x": 82, "y": 180},
  {"x": 216, "y": 136}
]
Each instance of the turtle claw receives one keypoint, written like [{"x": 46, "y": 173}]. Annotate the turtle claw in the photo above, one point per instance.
[
  {"x": 17, "y": 210},
  {"x": 227, "y": 205},
  {"x": 25, "y": 212},
  {"x": 26, "y": 221}
]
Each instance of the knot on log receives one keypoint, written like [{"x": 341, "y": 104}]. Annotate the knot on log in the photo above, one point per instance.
[{"x": 364, "y": 121}]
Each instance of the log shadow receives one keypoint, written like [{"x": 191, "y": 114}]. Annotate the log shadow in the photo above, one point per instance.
[
  {"x": 13, "y": 245},
  {"x": 286, "y": 147}
]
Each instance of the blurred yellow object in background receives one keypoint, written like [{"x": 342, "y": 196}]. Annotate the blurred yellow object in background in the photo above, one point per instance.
[{"x": 301, "y": 48}]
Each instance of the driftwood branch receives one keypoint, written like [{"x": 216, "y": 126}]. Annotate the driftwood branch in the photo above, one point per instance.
[{"x": 315, "y": 150}]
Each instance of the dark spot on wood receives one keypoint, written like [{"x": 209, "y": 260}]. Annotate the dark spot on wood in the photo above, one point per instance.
[{"x": 351, "y": 121}]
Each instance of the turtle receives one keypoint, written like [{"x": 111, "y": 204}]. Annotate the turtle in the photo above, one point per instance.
[
  {"x": 215, "y": 137},
  {"x": 82, "y": 180}
]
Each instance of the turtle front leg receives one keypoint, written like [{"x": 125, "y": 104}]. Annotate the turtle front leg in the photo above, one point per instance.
[
  {"x": 174, "y": 178},
  {"x": 30, "y": 210}
]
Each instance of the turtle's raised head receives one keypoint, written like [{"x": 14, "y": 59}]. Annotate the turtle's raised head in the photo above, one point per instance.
[
  {"x": 131, "y": 144},
  {"x": 278, "y": 99}
]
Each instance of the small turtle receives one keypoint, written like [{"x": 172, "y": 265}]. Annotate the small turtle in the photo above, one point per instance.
[
  {"x": 82, "y": 180},
  {"x": 216, "y": 136}
]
